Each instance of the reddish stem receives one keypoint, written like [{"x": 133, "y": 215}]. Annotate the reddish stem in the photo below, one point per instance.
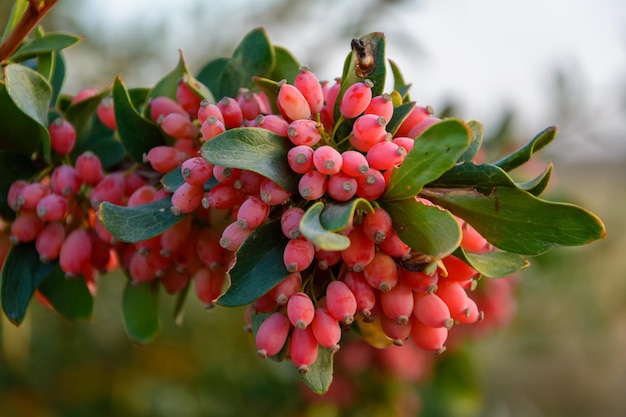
[{"x": 34, "y": 13}]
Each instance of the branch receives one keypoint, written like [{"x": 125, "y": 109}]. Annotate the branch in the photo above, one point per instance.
[{"x": 34, "y": 13}]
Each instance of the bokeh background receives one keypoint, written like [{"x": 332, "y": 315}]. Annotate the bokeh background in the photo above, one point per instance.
[{"x": 516, "y": 66}]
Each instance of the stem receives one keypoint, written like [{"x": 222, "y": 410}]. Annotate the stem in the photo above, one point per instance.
[{"x": 34, "y": 13}]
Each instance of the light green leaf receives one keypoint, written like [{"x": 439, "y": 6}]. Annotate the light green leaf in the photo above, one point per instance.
[
  {"x": 320, "y": 374},
  {"x": 312, "y": 229},
  {"x": 338, "y": 216},
  {"x": 47, "y": 43},
  {"x": 493, "y": 264}
]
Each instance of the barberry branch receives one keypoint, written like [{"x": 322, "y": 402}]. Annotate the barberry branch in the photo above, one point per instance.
[{"x": 34, "y": 13}]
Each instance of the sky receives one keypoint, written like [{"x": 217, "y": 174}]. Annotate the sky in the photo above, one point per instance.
[{"x": 486, "y": 55}]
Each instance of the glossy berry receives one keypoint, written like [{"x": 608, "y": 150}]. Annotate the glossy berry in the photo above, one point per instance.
[
  {"x": 292, "y": 103},
  {"x": 326, "y": 328},
  {"x": 471, "y": 314},
  {"x": 361, "y": 250},
  {"x": 286, "y": 288},
  {"x": 355, "y": 99},
  {"x": 341, "y": 186},
  {"x": 308, "y": 84},
  {"x": 179, "y": 127},
  {"x": 398, "y": 303},
  {"x": 75, "y": 252},
  {"x": 385, "y": 155},
  {"x": 381, "y": 106},
  {"x": 300, "y": 159},
  {"x": 231, "y": 112},
  {"x": 162, "y": 106},
  {"x": 290, "y": 222},
  {"x": 196, "y": 170},
  {"x": 208, "y": 248},
  {"x": 249, "y": 182},
  {"x": 106, "y": 113},
  {"x": 419, "y": 281},
  {"x": 312, "y": 185},
  {"x": 298, "y": 254},
  {"x": 62, "y": 136},
  {"x": 327, "y": 160},
  {"x": 89, "y": 168},
  {"x": 455, "y": 297},
  {"x": 303, "y": 348},
  {"x": 367, "y": 131},
  {"x": 340, "y": 302},
  {"x": 432, "y": 310},
  {"x": 271, "y": 193},
  {"x": 142, "y": 195},
  {"x": 252, "y": 213},
  {"x": 382, "y": 272},
  {"x": 165, "y": 158},
  {"x": 354, "y": 163},
  {"x": 272, "y": 335},
  {"x": 304, "y": 132},
  {"x": 52, "y": 208},
  {"x": 64, "y": 181},
  {"x": 394, "y": 246},
  {"x": 300, "y": 310},
  {"x": 49, "y": 241},
  {"x": 377, "y": 224},
  {"x": 173, "y": 238},
  {"x": 371, "y": 185},
  {"x": 331, "y": 98},
  {"x": 427, "y": 337},
  {"x": 363, "y": 292}
]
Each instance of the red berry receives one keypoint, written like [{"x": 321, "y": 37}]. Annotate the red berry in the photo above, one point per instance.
[
  {"x": 394, "y": 246},
  {"x": 225, "y": 175},
  {"x": 75, "y": 252},
  {"x": 455, "y": 297},
  {"x": 179, "y": 127},
  {"x": 341, "y": 186},
  {"x": 419, "y": 281},
  {"x": 405, "y": 142},
  {"x": 252, "y": 213},
  {"x": 222, "y": 196},
  {"x": 354, "y": 163},
  {"x": 382, "y": 272},
  {"x": 211, "y": 127},
  {"x": 187, "y": 99},
  {"x": 367, "y": 131},
  {"x": 62, "y": 136},
  {"x": 458, "y": 270},
  {"x": 300, "y": 310},
  {"x": 327, "y": 258},
  {"x": 371, "y": 185},
  {"x": 377, "y": 224},
  {"x": 312, "y": 185},
  {"x": 164, "y": 158},
  {"x": 283, "y": 291},
  {"x": 361, "y": 250},
  {"x": 272, "y": 335},
  {"x": 300, "y": 159},
  {"x": 249, "y": 182},
  {"x": 231, "y": 112},
  {"x": 273, "y": 123},
  {"x": 326, "y": 328},
  {"x": 52, "y": 208},
  {"x": 298, "y": 254},
  {"x": 174, "y": 237},
  {"x": 428, "y": 338},
  {"x": 304, "y": 132},
  {"x": 419, "y": 128},
  {"x": 331, "y": 98},
  {"x": 363, "y": 292},
  {"x": 15, "y": 191},
  {"x": 385, "y": 155},
  {"x": 398, "y": 303},
  {"x": 418, "y": 114},
  {"x": 471, "y": 314},
  {"x": 394, "y": 330},
  {"x": 292, "y": 103},
  {"x": 290, "y": 222},
  {"x": 31, "y": 194},
  {"x": 106, "y": 113},
  {"x": 340, "y": 302},
  {"x": 355, "y": 99},
  {"x": 25, "y": 227},
  {"x": 142, "y": 195},
  {"x": 233, "y": 236},
  {"x": 432, "y": 310},
  {"x": 187, "y": 198},
  {"x": 273, "y": 194},
  {"x": 140, "y": 269},
  {"x": 209, "y": 250},
  {"x": 88, "y": 168},
  {"x": 196, "y": 170},
  {"x": 111, "y": 188},
  {"x": 162, "y": 106},
  {"x": 208, "y": 285},
  {"x": 49, "y": 241},
  {"x": 327, "y": 160},
  {"x": 174, "y": 280},
  {"x": 303, "y": 348},
  {"x": 381, "y": 106},
  {"x": 250, "y": 104},
  {"x": 208, "y": 109},
  {"x": 308, "y": 84},
  {"x": 65, "y": 181},
  {"x": 84, "y": 94}
]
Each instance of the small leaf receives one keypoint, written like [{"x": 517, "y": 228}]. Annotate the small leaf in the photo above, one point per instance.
[
  {"x": 69, "y": 297},
  {"x": 57, "y": 77},
  {"x": 399, "y": 84},
  {"x": 338, "y": 216},
  {"x": 140, "y": 312},
  {"x": 256, "y": 271},
  {"x": 209, "y": 75},
  {"x": 538, "y": 185},
  {"x": 435, "y": 151},
  {"x": 168, "y": 85},
  {"x": 286, "y": 65},
  {"x": 372, "y": 332},
  {"x": 137, "y": 223},
  {"x": 516, "y": 221},
  {"x": 254, "y": 56},
  {"x": 271, "y": 89},
  {"x": 523, "y": 154},
  {"x": 138, "y": 135},
  {"x": 426, "y": 229},
  {"x": 172, "y": 180},
  {"x": 493, "y": 264},
  {"x": 476, "y": 141},
  {"x": 21, "y": 274},
  {"x": 312, "y": 229},
  {"x": 17, "y": 11},
  {"x": 44, "y": 44},
  {"x": 255, "y": 149},
  {"x": 470, "y": 175},
  {"x": 400, "y": 113},
  {"x": 320, "y": 374}
]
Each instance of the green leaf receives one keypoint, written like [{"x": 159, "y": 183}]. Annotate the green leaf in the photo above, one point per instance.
[
  {"x": 476, "y": 141},
  {"x": 44, "y": 44},
  {"x": 57, "y": 77},
  {"x": 81, "y": 115},
  {"x": 537, "y": 185},
  {"x": 15, "y": 166},
  {"x": 286, "y": 65},
  {"x": 140, "y": 312},
  {"x": 312, "y": 229},
  {"x": 17, "y": 11},
  {"x": 256, "y": 271},
  {"x": 435, "y": 151},
  {"x": 400, "y": 113},
  {"x": 168, "y": 85},
  {"x": 271, "y": 89},
  {"x": 523, "y": 154},
  {"x": 137, "y": 223},
  {"x": 27, "y": 93},
  {"x": 209, "y": 75},
  {"x": 69, "y": 297},
  {"x": 255, "y": 149},
  {"x": 320, "y": 374},
  {"x": 426, "y": 229},
  {"x": 254, "y": 56},
  {"x": 470, "y": 175},
  {"x": 21, "y": 274},
  {"x": 493, "y": 264},
  {"x": 138, "y": 135},
  {"x": 399, "y": 84},
  {"x": 338, "y": 216},
  {"x": 516, "y": 221},
  {"x": 172, "y": 180}
]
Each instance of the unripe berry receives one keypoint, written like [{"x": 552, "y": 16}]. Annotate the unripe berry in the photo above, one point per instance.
[
  {"x": 326, "y": 328},
  {"x": 298, "y": 254},
  {"x": 381, "y": 106},
  {"x": 382, "y": 272},
  {"x": 286, "y": 288},
  {"x": 106, "y": 113},
  {"x": 354, "y": 163},
  {"x": 164, "y": 158},
  {"x": 304, "y": 132},
  {"x": 429, "y": 338},
  {"x": 252, "y": 213},
  {"x": 290, "y": 222},
  {"x": 162, "y": 106},
  {"x": 65, "y": 181},
  {"x": 292, "y": 103},
  {"x": 385, "y": 155},
  {"x": 308, "y": 84},
  {"x": 432, "y": 311},
  {"x": 303, "y": 349},
  {"x": 327, "y": 160},
  {"x": 361, "y": 250},
  {"x": 179, "y": 127},
  {"x": 355, "y": 99},
  {"x": 272, "y": 335},
  {"x": 62, "y": 136},
  {"x": 341, "y": 186},
  {"x": 231, "y": 112},
  {"x": 75, "y": 252},
  {"x": 300, "y": 310},
  {"x": 273, "y": 123},
  {"x": 52, "y": 208},
  {"x": 300, "y": 159},
  {"x": 273, "y": 194},
  {"x": 49, "y": 241},
  {"x": 340, "y": 302},
  {"x": 363, "y": 292},
  {"x": 196, "y": 170},
  {"x": 312, "y": 185},
  {"x": 211, "y": 127}
]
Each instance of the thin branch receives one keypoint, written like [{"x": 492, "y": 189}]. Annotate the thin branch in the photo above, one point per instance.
[{"x": 34, "y": 13}]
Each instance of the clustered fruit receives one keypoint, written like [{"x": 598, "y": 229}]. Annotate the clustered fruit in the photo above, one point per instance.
[{"x": 377, "y": 279}]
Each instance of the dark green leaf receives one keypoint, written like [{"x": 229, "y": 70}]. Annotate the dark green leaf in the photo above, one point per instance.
[
  {"x": 470, "y": 175},
  {"x": 338, "y": 216},
  {"x": 435, "y": 151},
  {"x": 138, "y": 135},
  {"x": 137, "y": 223},
  {"x": 523, "y": 154},
  {"x": 69, "y": 297},
  {"x": 57, "y": 77},
  {"x": 271, "y": 89},
  {"x": 81, "y": 115},
  {"x": 312, "y": 229},
  {"x": 537, "y": 185},
  {"x": 476, "y": 141},
  {"x": 286, "y": 65},
  {"x": 209, "y": 75},
  {"x": 399, "y": 84},
  {"x": 320, "y": 374},
  {"x": 254, "y": 56},
  {"x": 45, "y": 65},
  {"x": 15, "y": 166},
  {"x": 140, "y": 312},
  {"x": 44, "y": 44},
  {"x": 172, "y": 180},
  {"x": 255, "y": 149},
  {"x": 21, "y": 274},
  {"x": 493, "y": 264},
  {"x": 400, "y": 113},
  {"x": 426, "y": 229},
  {"x": 516, "y": 221},
  {"x": 257, "y": 271}
]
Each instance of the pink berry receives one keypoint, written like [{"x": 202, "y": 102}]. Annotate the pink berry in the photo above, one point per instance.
[
  {"x": 52, "y": 208},
  {"x": 363, "y": 292},
  {"x": 292, "y": 103},
  {"x": 250, "y": 104},
  {"x": 31, "y": 194},
  {"x": 326, "y": 328},
  {"x": 231, "y": 112},
  {"x": 211, "y": 127},
  {"x": 385, "y": 155},
  {"x": 84, "y": 94},
  {"x": 273, "y": 194},
  {"x": 208, "y": 109},
  {"x": 298, "y": 254},
  {"x": 371, "y": 185},
  {"x": 62, "y": 136},
  {"x": 106, "y": 113},
  {"x": 304, "y": 132},
  {"x": 273, "y": 123},
  {"x": 367, "y": 131},
  {"x": 327, "y": 160},
  {"x": 187, "y": 198},
  {"x": 341, "y": 186},
  {"x": 225, "y": 175},
  {"x": 286, "y": 288},
  {"x": 249, "y": 182},
  {"x": 187, "y": 99},
  {"x": 233, "y": 236},
  {"x": 308, "y": 84},
  {"x": 142, "y": 195},
  {"x": 303, "y": 349},
  {"x": 312, "y": 185},
  {"x": 340, "y": 302},
  {"x": 377, "y": 224},
  {"x": 165, "y": 158},
  {"x": 196, "y": 170},
  {"x": 25, "y": 227},
  {"x": 300, "y": 310},
  {"x": 162, "y": 106},
  {"x": 429, "y": 338},
  {"x": 64, "y": 181},
  {"x": 272, "y": 335},
  {"x": 75, "y": 252},
  {"x": 89, "y": 168},
  {"x": 208, "y": 285},
  {"x": 394, "y": 246},
  {"x": 173, "y": 238},
  {"x": 355, "y": 99},
  {"x": 14, "y": 193},
  {"x": 381, "y": 106},
  {"x": 49, "y": 241},
  {"x": 432, "y": 310},
  {"x": 252, "y": 213},
  {"x": 290, "y": 222},
  {"x": 300, "y": 159},
  {"x": 398, "y": 303},
  {"x": 381, "y": 272},
  {"x": 111, "y": 189},
  {"x": 179, "y": 127},
  {"x": 354, "y": 163},
  {"x": 331, "y": 98},
  {"x": 222, "y": 196},
  {"x": 417, "y": 130},
  {"x": 361, "y": 250},
  {"x": 208, "y": 248},
  {"x": 418, "y": 114}
]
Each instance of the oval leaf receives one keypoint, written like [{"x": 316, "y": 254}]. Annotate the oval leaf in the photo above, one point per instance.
[
  {"x": 435, "y": 151},
  {"x": 69, "y": 297},
  {"x": 46, "y": 43},
  {"x": 516, "y": 221},
  {"x": 140, "y": 312},
  {"x": 426, "y": 229},
  {"x": 137, "y": 223},
  {"x": 256, "y": 271},
  {"x": 138, "y": 135},
  {"x": 320, "y": 374},
  {"x": 312, "y": 229},
  {"x": 255, "y": 149},
  {"x": 286, "y": 66},
  {"x": 209, "y": 75},
  {"x": 493, "y": 264},
  {"x": 338, "y": 216}
]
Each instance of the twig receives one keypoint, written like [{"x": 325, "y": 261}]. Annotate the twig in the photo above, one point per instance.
[{"x": 34, "y": 13}]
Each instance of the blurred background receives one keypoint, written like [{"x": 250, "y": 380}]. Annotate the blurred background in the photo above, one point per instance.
[{"x": 518, "y": 68}]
